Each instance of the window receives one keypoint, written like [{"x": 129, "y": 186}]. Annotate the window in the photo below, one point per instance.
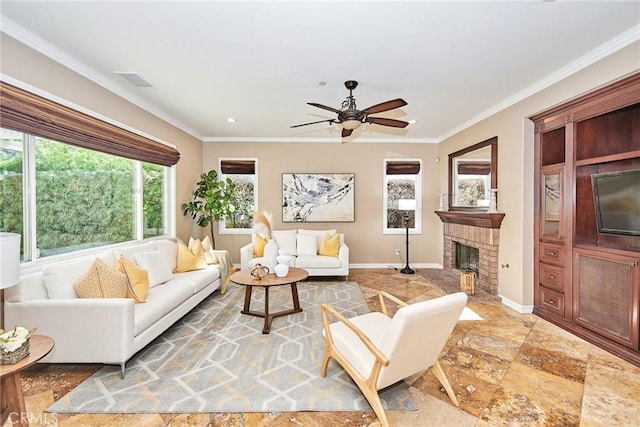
[
  {"x": 153, "y": 196},
  {"x": 82, "y": 198},
  {"x": 70, "y": 181},
  {"x": 12, "y": 215},
  {"x": 243, "y": 173},
  {"x": 402, "y": 196}
]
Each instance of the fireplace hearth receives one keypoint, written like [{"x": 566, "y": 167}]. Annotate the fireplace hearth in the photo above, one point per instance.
[{"x": 478, "y": 231}]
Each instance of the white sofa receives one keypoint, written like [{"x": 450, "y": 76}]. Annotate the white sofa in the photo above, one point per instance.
[
  {"x": 304, "y": 255},
  {"x": 107, "y": 330}
]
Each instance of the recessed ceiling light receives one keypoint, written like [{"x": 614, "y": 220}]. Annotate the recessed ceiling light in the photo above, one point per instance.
[
  {"x": 231, "y": 120},
  {"x": 322, "y": 83},
  {"x": 412, "y": 122}
]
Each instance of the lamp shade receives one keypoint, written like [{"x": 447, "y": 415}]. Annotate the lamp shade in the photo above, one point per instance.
[
  {"x": 9, "y": 259},
  {"x": 407, "y": 204},
  {"x": 351, "y": 124}
]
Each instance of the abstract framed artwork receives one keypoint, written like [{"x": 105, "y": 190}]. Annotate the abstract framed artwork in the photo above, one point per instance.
[{"x": 318, "y": 197}]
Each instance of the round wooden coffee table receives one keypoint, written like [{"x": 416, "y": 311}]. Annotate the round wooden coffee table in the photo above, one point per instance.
[
  {"x": 13, "y": 406},
  {"x": 244, "y": 278}
]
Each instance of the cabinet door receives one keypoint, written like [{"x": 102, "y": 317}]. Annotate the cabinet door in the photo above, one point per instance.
[
  {"x": 606, "y": 295},
  {"x": 552, "y": 206}
]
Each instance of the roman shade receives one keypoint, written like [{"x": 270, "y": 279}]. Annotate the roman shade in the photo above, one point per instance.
[
  {"x": 26, "y": 112},
  {"x": 474, "y": 168},
  {"x": 238, "y": 167},
  {"x": 403, "y": 168}
]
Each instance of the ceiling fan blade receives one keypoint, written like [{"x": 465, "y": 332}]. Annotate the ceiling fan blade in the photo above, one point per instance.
[
  {"x": 313, "y": 123},
  {"x": 324, "y": 107},
  {"x": 387, "y": 122},
  {"x": 346, "y": 132},
  {"x": 386, "y": 106}
]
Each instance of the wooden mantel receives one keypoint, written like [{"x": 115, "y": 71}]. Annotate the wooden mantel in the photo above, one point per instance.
[{"x": 477, "y": 219}]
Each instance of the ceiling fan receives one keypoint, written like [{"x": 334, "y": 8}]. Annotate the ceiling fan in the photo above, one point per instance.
[{"x": 351, "y": 118}]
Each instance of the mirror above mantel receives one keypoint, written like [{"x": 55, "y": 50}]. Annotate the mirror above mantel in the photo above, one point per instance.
[{"x": 473, "y": 172}]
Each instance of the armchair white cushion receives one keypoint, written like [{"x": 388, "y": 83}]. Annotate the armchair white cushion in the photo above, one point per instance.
[{"x": 377, "y": 350}]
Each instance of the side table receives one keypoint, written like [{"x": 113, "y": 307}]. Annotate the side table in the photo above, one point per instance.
[{"x": 11, "y": 393}]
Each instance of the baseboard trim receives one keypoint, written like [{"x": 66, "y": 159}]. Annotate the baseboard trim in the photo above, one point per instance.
[
  {"x": 517, "y": 307},
  {"x": 396, "y": 265}
]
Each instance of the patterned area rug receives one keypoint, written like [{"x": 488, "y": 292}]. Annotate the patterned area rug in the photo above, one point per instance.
[{"x": 217, "y": 360}]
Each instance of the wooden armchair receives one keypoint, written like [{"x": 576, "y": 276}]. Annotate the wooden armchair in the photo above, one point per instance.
[{"x": 377, "y": 350}]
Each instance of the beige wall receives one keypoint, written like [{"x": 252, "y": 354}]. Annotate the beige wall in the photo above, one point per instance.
[
  {"x": 515, "y": 164},
  {"x": 28, "y": 66},
  {"x": 366, "y": 242}
]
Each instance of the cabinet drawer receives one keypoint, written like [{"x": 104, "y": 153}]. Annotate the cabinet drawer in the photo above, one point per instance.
[
  {"x": 552, "y": 276},
  {"x": 551, "y": 300},
  {"x": 551, "y": 253}
]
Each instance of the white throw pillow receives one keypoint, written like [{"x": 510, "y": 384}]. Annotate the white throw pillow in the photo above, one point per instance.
[
  {"x": 307, "y": 244},
  {"x": 319, "y": 235},
  {"x": 286, "y": 240},
  {"x": 157, "y": 265},
  {"x": 60, "y": 277},
  {"x": 170, "y": 250},
  {"x": 130, "y": 251}
]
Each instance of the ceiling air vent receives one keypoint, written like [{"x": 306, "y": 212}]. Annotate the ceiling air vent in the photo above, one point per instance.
[{"x": 133, "y": 78}]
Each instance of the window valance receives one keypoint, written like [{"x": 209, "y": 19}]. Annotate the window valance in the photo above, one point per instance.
[
  {"x": 403, "y": 168},
  {"x": 238, "y": 167},
  {"x": 26, "y": 112},
  {"x": 474, "y": 168}
]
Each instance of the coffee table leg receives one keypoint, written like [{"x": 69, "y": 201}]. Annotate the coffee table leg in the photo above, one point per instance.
[
  {"x": 247, "y": 299},
  {"x": 294, "y": 295},
  {"x": 13, "y": 405},
  {"x": 267, "y": 319}
]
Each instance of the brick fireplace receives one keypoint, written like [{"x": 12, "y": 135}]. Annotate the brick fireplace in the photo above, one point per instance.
[{"x": 478, "y": 230}]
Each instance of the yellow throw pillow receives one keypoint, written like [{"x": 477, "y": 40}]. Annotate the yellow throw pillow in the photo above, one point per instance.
[
  {"x": 330, "y": 245},
  {"x": 209, "y": 256},
  {"x": 258, "y": 245},
  {"x": 101, "y": 281},
  {"x": 189, "y": 259},
  {"x": 137, "y": 279}
]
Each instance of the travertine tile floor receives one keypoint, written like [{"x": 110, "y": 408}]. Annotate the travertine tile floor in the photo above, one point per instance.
[{"x": 510, "y": 369}]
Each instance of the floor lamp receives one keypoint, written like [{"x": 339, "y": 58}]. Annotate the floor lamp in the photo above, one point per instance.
[{"x": 407, "y": 205}]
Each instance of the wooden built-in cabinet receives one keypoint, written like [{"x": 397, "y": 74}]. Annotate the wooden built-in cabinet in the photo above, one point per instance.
[{"x": 588, "y": 281}]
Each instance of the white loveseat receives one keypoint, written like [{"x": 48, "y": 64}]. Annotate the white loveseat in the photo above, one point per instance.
[
  {"x": 303, "y": 245},
  {"x": 107, "y": 330}
]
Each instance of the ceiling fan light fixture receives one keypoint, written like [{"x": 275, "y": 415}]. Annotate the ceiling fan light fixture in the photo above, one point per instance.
[{"x": 351, "y": 124}]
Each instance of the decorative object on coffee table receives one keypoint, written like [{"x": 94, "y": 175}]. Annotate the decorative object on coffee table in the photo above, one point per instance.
[
  {"x": 282, "y": 268},
  {"x": 259, "y": 271},
  {"x": 14, "y": 345},
  {"x": 270, "y": 254}
]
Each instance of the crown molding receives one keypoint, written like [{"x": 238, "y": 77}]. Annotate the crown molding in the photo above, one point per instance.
[
  {"x": 335, "y": 140},
  {"x": 612, "y": 46},
  {"x": 42, "y": 46}
]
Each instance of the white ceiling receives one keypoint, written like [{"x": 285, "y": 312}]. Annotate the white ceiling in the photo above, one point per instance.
[{"x": 260, "y": 62}]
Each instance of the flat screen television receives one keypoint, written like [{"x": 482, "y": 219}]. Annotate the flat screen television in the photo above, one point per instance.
[{"x": 617, "y": 202}]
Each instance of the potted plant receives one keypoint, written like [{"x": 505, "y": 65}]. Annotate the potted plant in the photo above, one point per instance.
[{"x": 212, "y": 200}]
